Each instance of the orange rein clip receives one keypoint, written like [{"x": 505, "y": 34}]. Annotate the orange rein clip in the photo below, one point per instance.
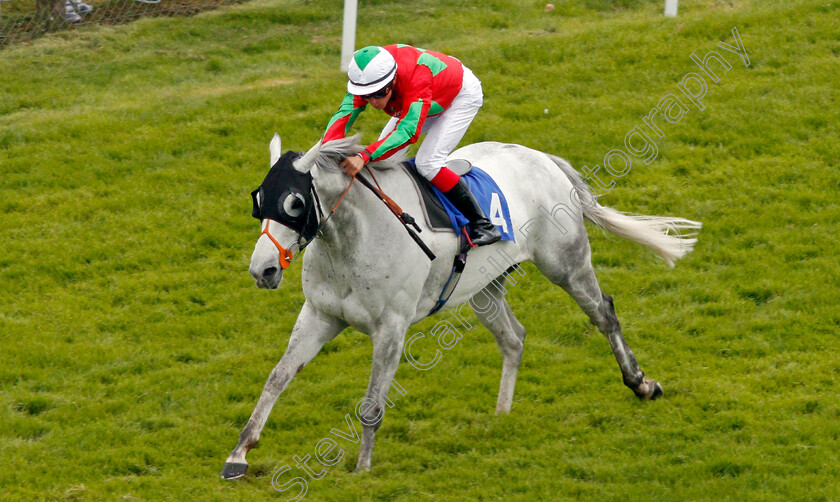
[{"x": 285, "y": 254}]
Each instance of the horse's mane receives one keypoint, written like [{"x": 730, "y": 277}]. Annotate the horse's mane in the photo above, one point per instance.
[{"x": 333, "y": 152}]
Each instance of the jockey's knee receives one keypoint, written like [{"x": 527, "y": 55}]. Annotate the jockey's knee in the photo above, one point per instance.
[{"x": 428, "y": 170}]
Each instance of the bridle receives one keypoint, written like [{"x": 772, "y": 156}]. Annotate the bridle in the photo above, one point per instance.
[
  {"x": 308, "y": 224},
  {"x": 286, "y": 255},
  {"x": 311, "y": 220}
]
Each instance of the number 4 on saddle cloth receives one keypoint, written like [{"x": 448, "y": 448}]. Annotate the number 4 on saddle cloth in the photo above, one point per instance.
[{"x": 441, "y": 215}]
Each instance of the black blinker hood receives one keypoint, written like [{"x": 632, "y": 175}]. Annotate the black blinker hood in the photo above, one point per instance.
[{"x": 282, "y": 181}]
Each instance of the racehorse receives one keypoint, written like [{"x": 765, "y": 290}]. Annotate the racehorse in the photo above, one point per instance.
[{"x": 363, "y": 270}]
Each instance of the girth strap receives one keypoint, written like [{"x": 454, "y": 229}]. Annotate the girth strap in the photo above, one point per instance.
[{"x": 455, "y": 275}]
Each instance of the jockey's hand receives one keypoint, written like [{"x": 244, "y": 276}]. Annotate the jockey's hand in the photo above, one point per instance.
[{"x": 352, "y": 165}]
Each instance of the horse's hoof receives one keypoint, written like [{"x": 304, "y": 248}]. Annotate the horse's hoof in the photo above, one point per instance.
[
  {"x": 657, "y": 391},
  {"x": 654, "y": 390},
  {"x": 649, "y": 390},
  {"x": 233, "y": 470}
]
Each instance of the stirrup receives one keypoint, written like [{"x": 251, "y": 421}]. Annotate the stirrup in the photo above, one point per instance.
[{"x": 484, "y": 233}]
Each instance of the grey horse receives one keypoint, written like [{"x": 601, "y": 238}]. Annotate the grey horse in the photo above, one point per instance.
[{"x": 363, "y": 270}]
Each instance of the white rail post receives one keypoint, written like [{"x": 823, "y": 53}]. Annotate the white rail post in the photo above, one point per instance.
[
  {"x": 671, "y": 8},
  {"x": 348, "y": 34}
]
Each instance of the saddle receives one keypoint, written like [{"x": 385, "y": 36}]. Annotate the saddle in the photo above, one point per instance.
[{"x": 433, "y": 211}]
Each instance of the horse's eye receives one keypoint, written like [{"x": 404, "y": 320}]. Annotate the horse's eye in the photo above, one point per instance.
[{"x": 293, "y": 205}]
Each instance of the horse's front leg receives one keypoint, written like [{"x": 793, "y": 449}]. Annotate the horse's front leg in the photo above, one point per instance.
[
  {"x": 312, "y": 330},
  {"x": 387, "y": 348}
]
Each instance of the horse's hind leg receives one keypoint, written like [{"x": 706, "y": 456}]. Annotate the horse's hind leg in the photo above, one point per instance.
[
  {"x": 509, "y": 333},
  {"x": 312, "y": 330},
  {"x": 572, "y": 270},
  {"x": 634, "y": 377}
]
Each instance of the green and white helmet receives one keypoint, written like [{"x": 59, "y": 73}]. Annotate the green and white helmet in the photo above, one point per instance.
[{"x": 371, "y": 69}]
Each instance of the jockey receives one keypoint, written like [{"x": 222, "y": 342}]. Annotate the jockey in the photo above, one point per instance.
[{"x": 423, "y": 92}]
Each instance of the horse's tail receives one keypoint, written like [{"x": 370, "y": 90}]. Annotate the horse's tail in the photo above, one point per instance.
[{"x": 661, "y": 234}]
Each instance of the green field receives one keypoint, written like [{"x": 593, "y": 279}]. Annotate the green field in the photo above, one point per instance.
[{"x": 135, "y": 344}]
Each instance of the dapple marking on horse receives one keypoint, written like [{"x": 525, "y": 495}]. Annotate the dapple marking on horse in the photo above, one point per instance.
[{"x": 364, "y": 271}]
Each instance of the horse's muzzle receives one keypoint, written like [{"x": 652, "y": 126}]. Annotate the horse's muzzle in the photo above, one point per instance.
[{"x": 268, "y": 278}]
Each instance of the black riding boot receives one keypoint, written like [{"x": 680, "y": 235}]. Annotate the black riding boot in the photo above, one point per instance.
[{"x": 482, "y": 232}]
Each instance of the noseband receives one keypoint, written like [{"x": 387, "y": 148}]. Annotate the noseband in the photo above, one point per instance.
[{"x": 285, "y": 254}]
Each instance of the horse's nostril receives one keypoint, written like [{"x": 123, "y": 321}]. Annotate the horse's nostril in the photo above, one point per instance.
[{"x": 269, "y": 272}]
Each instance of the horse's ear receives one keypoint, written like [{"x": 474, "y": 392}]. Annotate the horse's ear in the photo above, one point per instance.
[
  {"x": 305, "y": 163},
  {"x": 274, "y": 148}
]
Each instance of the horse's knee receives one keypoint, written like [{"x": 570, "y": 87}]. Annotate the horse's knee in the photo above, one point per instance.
[{"x": 510, "y": 343}]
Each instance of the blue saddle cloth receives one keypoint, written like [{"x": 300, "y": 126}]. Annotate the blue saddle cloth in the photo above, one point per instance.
[{"x": 489, "y": 197}]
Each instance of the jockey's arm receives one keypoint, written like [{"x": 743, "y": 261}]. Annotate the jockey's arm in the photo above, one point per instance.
[{"x": 343, "y": 119}]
